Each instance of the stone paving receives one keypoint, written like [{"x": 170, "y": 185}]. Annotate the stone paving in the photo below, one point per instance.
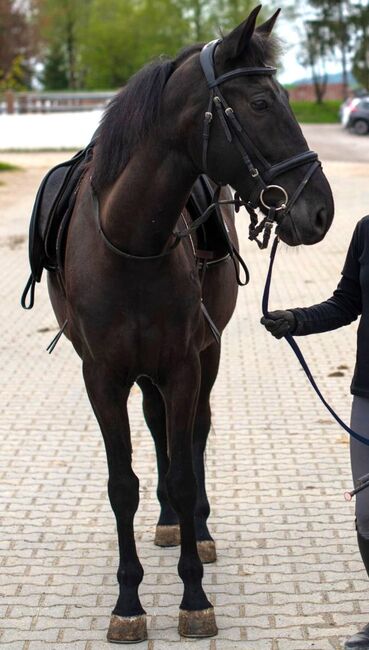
[{"x": 288, "y": 575}]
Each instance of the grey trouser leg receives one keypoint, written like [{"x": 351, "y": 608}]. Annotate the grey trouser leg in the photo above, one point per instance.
[{"x": 360, "y": 461}]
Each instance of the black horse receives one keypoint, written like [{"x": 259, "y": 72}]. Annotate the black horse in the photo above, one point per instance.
[{"x": 133, "y": 299}]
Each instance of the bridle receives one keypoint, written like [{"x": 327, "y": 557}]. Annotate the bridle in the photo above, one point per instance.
[{"x": 236, "y": 134}]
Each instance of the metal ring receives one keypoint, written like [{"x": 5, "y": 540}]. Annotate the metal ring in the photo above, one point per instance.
[{"x": 284, "y": 198}]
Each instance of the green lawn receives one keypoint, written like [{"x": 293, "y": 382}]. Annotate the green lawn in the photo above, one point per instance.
[
  {"x": 309, "y": 112},
  {"x": 7, "y": 167}
]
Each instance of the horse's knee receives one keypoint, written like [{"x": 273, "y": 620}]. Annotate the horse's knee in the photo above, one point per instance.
[{"x": 123, "y": 493}]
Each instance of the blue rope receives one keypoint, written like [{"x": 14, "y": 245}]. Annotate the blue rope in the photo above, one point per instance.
[{"x": 291, "y": 341}]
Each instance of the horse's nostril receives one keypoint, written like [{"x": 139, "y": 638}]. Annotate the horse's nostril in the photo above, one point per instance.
[{"x": 321, "y": 220}]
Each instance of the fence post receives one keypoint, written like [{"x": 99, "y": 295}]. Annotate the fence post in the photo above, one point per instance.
[{"x": 9, "y": 101}]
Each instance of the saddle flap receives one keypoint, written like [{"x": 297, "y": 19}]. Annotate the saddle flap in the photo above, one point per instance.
[{"x": 213, "y": 235}]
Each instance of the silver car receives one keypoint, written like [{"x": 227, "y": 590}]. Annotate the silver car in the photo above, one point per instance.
[{"x": 354, "y": 114}]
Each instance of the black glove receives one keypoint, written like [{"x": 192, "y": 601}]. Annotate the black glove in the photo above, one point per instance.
[{"x": 279, "y": 323}]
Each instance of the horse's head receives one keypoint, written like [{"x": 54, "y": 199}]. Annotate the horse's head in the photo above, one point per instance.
[{"x": 242, "y": 131}]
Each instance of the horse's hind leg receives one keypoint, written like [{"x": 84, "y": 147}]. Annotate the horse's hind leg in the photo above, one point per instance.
[
  {"x": 180, "y": 391},
  {"x": 167, "y": 530},
  {"x": 109, "y": 401},
  {"x": 209, "y": 370}
]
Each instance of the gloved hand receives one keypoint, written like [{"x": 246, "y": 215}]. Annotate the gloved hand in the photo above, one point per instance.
[{"x": 279, "y": 323}]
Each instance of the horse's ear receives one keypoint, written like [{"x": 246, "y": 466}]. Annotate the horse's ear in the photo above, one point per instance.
[
  {"x": 234, "y": 44},
  {"x": 267, "y": 27}
]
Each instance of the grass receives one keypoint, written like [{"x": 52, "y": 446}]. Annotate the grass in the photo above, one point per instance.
[
  {"x": 312, "y": 113},
  {"x": 7, "y": 167}
]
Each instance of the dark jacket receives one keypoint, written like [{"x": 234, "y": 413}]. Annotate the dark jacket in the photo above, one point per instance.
[{"x": 349, "y": 300}]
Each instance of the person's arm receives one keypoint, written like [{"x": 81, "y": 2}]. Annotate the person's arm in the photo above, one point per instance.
[{"x": 341, "y": 309}]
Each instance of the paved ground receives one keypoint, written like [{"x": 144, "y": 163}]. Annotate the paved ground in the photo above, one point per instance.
[
  {"x": 335, "y": 143},
  {"x": 288, "y": 575}
]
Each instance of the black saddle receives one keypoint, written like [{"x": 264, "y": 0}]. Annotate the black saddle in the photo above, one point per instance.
[{"x": 54, "y": 205}]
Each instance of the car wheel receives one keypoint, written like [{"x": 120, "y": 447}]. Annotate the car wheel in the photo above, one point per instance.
[{"x": 361, "y": 127}]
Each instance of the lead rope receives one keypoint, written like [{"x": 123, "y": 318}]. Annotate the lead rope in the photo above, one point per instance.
[{"x": 291, "y": 341}]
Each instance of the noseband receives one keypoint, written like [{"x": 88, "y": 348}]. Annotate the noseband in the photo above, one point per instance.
[{"x": 236, "y": 134}]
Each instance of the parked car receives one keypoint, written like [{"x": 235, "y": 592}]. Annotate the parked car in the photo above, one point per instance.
[{"x": 354, "y": 114}]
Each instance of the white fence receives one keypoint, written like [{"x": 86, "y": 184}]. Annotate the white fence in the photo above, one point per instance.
[
  {"x": 53, "y": 102},
  {"x": 49, "y": 131}
]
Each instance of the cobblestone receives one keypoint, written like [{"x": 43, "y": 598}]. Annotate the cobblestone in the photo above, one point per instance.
[{"x": 288, "y": 575}]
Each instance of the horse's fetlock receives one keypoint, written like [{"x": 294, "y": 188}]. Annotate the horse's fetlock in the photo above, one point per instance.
[
  {"x": 130, "y": 575},
  {"x": 190, "y": 571}
]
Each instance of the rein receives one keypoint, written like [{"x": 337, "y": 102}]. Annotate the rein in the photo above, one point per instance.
[
  {"x": 178, "y": 236},
  {"x": 291, "y": 341}
]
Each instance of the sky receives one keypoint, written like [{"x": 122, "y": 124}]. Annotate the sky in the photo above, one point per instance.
[{"x": 290, "y": 34}]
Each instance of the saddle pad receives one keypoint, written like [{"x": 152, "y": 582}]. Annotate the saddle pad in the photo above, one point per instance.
[{"x": 51, "y": 205}]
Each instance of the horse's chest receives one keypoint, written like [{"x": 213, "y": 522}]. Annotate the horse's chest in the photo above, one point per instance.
[{"x": 140, "y": 328}]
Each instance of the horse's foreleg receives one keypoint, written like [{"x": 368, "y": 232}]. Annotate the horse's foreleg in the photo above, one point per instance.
[
  {"x": 109, "y": 402},
  {"x": 209, "y": 369},
  {"x": 167, "y": 530},
  {"x": 181, "y": 391}
]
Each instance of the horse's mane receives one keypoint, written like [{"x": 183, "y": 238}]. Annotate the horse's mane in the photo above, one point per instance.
[{"x": 135, "y": 109}]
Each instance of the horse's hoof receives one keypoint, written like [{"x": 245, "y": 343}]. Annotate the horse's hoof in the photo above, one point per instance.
[
  {"x": 127, "y": 629},
  {"x": 167, "y": 535},
  {"x": 360, "y": 640},
  {"x": 207, "y": 551},
  {"x": 198, "y": 624}
]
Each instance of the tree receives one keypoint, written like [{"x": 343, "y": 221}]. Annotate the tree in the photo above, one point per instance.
[
  {"x": 15, "y": 47},
  {"x": 54, "y": 75},
  {"x": 338, "y": 22},
  {"x": 61, "y": 24},
  {"x": 333, "y": 27},
  {"x": 315, "y": 54},
  {"x": 99, "y": 44},
  {"x": 120, "y": 38},
  {"x": 233, "y": 12},
  {"x": 208, "y": 18},
  {"x": 360, "y": 61}
]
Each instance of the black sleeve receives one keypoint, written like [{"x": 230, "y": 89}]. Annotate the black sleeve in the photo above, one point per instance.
[{"x": 343, "y": 307}]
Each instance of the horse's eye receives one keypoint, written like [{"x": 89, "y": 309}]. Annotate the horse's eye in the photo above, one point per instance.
[{"x": 259, "y": 104}]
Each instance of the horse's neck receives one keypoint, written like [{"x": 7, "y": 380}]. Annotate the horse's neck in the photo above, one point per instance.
[{"x": 140, "y": 211}]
